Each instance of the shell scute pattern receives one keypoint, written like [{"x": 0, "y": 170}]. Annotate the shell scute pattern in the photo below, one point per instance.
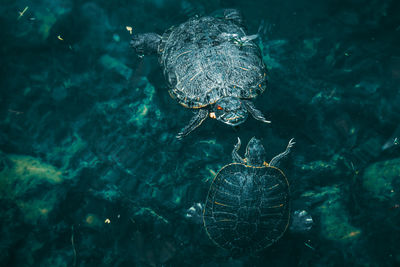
[
  {"x": 247, "y": 208},
  {"x": 202, "y": 65}
]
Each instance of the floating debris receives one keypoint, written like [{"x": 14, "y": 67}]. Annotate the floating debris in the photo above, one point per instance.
[
  {"x": 21, "y": 13},
  {"x": 352, "y": 234},
  {"x": 15, "y": 111},
  {"x": 60, "y": 38},
  {"x": 129, "y": 29},
  {"x": 308, "y": 245},
  {"x": 73, "y": 245},
  {"x": 381, "y": 178}
]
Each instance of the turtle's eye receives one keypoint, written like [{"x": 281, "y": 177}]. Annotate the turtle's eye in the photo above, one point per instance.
[{"x": 219, "y": 107}]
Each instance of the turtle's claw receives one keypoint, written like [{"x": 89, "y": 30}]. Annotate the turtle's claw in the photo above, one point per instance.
[
  {"x": 179, "y": 136},
  {"x": 195, "y": 213},
  {"x": 291, "y": 143},
  {"x": 301, "y": 221},
  {"x": 239, "y": 143}
]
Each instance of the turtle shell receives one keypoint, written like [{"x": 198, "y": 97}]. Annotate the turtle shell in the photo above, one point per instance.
[
  {"x": 247, "y": 208},
  {"x": 202, "y": 62}
]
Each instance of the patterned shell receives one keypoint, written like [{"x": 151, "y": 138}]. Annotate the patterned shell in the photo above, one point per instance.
[
  {"x": 202, "y": 62},
  {"x": 247, "y": 208}
]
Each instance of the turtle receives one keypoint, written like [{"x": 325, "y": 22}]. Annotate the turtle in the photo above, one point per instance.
[
  {"x": 248, "y": 203},
  {"x": 211, "y": 66}
]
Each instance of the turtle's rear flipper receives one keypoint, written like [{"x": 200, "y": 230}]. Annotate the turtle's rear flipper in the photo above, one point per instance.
[
  {"x": 301, "y": 221},
  {"x": 233, "y": 14},
  {"x": 195, "y": 213},
  {"x": 146, "y": 43},
  {"x": 195, "y": 122}
]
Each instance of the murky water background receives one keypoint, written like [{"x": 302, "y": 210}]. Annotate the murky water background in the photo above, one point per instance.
[{"x": 90, "y": 171}]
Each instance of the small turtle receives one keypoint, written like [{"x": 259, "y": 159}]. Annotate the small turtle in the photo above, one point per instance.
[
  {"x": 247, "y": 207},
  {"x": 211, "y": 66}
]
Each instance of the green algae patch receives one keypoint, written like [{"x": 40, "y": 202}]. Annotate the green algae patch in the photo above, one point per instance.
[
  {"x": 93, "y": 221},
  {"x": 378, "y": 179},
  {"x": 21, "y": 181},
  {"x": 334, "y": 222},
  {"x": 145, "y": 110},
  {"x": 25, "y": 171}
]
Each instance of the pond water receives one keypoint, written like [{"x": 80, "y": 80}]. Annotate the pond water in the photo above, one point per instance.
[{"x": 91, "y": 173}]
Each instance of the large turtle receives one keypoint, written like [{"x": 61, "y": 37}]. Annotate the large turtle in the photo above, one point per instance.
[
  {"x": 211, "y": 66},
  {"x": 247, "y": 207}
]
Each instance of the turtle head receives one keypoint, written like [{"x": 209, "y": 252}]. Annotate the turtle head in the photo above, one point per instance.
[
  {"x": 145, "y": 43},
  {"x": 255, "y": 153},
  {"x": 229, "y": 110}
]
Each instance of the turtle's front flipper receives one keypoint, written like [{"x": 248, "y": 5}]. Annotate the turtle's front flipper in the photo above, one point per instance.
[
  {"x": 195, "y": 122},
  {"x": 254, "y": 112},
  {"x": 233, "y": 14},
  {"x": 146, "y": 43},
  {"x": 235, "y": 156},
  {"x": 301, "y": 221},
  {"x": 276, "y": 161}
]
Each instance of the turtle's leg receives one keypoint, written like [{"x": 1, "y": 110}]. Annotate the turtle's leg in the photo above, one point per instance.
[
  {"x": 233, "y": 14},
  {"x": 254, "y": 112},
  {"x": 301, "y": 221},
  {"x": 146, "y": 43},
  {"x": 195, "y": 122},
  {"x": 277, "y": 159},
  {"x": 195, "y": 213},
  {"x": 235, "y": 156}
]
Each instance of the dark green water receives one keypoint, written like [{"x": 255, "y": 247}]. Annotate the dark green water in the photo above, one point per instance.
[{"x": 91, "y": 173}]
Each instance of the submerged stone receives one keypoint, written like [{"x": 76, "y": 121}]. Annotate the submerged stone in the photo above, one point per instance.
[
  {"x": 380, "y": 179},
  {"x": 113, "y": 64},
  {"x": 334, "y": 221},
  {"x": 22, "y": 181},
  {"x": 145, "y": 112}
]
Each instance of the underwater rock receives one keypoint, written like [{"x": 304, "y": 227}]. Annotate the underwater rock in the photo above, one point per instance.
[
  {"x": 310, "y": 48},
  {"x": 58, "y": 258},
  {"x": 144, "y": 110},
  {"x": 67, "y": 151},
  {"x": 333, "y": 218},
  {"x": 110, "y": 193},
  {"x": 273, "y": 51},
  {"x": 360, "y": 156},
  {"x": 26, "y": 254},
  {"x": 382, "y": 179},
  {"x": 30, "y": 184},
  {"x": 332, "y": 167},
  {"x": 113, "y": 64},
  {"x": 93, "y": 221},
  {"x": 59, "y": 93},
  {"x": 369, "y": 87},
  {"x": 152, "y": 251}
]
